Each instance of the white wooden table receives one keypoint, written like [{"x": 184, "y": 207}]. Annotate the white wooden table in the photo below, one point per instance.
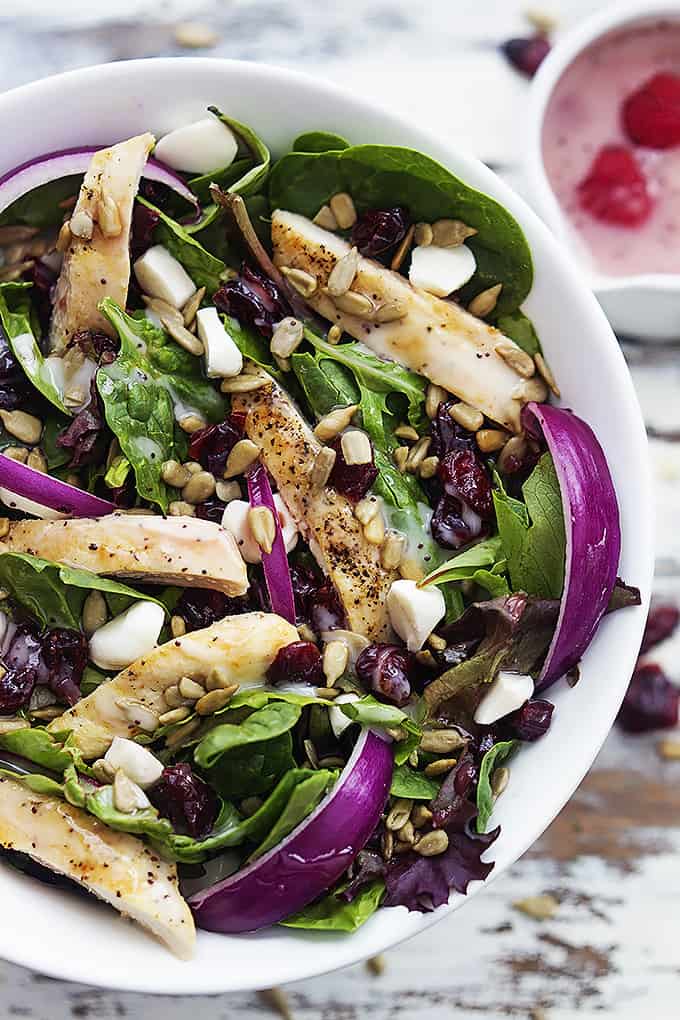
[{"x": 611, "y": 858}]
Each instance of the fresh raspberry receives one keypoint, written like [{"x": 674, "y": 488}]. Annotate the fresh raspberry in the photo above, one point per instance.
[
  {"x": 651, "y": 115},
  {"x": 615, "y": 188}
]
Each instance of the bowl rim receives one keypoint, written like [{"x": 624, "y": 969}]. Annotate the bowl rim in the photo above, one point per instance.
[
  {"x": 185, "y": 979},
  {"x": 568, "y": 48}
]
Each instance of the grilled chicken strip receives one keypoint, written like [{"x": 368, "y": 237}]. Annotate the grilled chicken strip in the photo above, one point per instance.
[
  {"x": 163, "y": 550},
  {"x": 98, "y": 265},
  {"x": 436, "y": 338},
  {"x": 116, "y": 867},
  {"x": 326, "y": 519},
  {"x": 241, "y": 648}
]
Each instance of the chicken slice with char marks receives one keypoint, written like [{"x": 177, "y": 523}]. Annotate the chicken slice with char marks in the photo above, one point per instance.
[
  {"x": 325, "y": 519},
  {"x": 114, "y": 866},
  {"x": 164, "y": 550}
]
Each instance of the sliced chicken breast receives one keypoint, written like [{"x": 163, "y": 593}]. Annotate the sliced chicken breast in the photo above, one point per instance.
[
  {"x": 162, "y": 550},
  {"x": 98, "y": 265},
  {"x": 241, "y": 648},
  {"x": 325, "y": 519},
  {"x": 116, "y": 867},
  {"x": 435, "y": 338}
]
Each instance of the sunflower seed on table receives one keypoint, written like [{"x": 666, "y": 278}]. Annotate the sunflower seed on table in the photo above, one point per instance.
[
  {"x": 354, "y": 303},
  {"x": 342, "y": 207},
  {"x": 376, "y": 965},
  {"x": 175, "y": 474},
  {"x": 178, "y": 627},
  {"x": 467, "y": 416},
  {"x": 546, "y": 374},
  {"x": 287, "y": 337},
  {"x": 490, "y": 440},
  {"x": 200, "y": 487},
  {"x": 333, "y": 423},
  {"x": 241, "y": 456},
  {"x": 23, "y": 426},
  {"x": 516, "y": 358},
  {"x": 668, "y": 749},
  {"x": 398, "y": 814},
  {"x": 403, "y": 249},
  {"x": 432, "y": 843},
  {"x": 304, "y": 283},
  {"x": 485, "y": 302},
  {"x": 342, "y": 274},
  {"x": 195, "y": 35},
  {"x": 214, "y": 701},
  {"x": 94, "y": 614},
  {"x": 277, "y": 1000},
  {"x": 325, "y": 218},
  {"x": 191, "y": 307},
  {"x": 541, "y": 908}
]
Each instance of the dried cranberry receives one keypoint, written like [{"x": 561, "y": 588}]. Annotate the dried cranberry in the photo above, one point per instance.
[
  {"x": 453, "y": 525},
  {"x": 254, "y": 300},
  {"x": 532, "y": 720},
  {"x": 465, "y": 478},
  {"x": 65, "y": 655},
  {"x": 212, "y": 445},
  {"x": 186, "y": 800},
  {"x": 447, "y": 434},
  {"x": 82, "y": 436},
  {"x": 326, "y": 611},
  {"x": 386, "y": 670},
  {"x": 201, "y": 607},
  {"x": 526, "y": 55},
  {"x": 651, "y": 114},
  {"x": 305, "y": 586},
  {"x": 16, "y": 687},
  {"x": 144, "y": 222},
  {"x": 93, "y": 342},
  {"x": 296, "y": 663},
  {"x": 651, "y": 701},
  {"x": 14, "y": 386},
  {"x": 211, "y": 510},
  {"x": 661, "y": 623},
  {"x": 378, "y": 229},
  {"x": 351, "y": 480}
]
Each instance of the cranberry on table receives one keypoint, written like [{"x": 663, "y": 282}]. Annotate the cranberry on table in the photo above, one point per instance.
[
  {"x": 297, "y": 663},
  {"x": 385, "y": 669},
  {"x": 661, "y": 623},
  {"x": 379, "y": 229},
  {"x": 651, "y": 701},
  {"x": 526, "y": 54}
]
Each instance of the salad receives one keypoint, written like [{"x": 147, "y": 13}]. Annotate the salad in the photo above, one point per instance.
[{"x": 295, "y": 542}]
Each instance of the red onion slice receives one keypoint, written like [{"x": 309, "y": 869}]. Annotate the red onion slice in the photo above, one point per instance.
[
  {"x": 593, "y": 533},
  {"x": 275, "y": 563},
  {"x": 312, "y": 857},
  {"x": 50, "y": 493},
  {"x": 68, "y": 162}
]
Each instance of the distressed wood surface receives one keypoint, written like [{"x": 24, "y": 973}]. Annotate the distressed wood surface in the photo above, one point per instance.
[{"x": 611, "y": 857}]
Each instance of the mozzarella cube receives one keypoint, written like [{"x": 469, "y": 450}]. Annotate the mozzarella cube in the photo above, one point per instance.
[
  {"x": 127, "y": 637},
  {"x": 440, "y": 271},
  {"x": 207, "y": 144},
  {"x": 337, "y": 718},
  {"x": 505, "y": 694},
  {"x": 414, "y": 612},
  {"x": 235, "y": 521},
  {"x": 138, "y": 764},
  {"x": 222, "y": 357},
  {"x": 162, "y": 276}
]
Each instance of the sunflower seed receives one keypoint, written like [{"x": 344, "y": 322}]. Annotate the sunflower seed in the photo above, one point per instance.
[
  {"x": 485, "y": 302},
  {"x": 407, "y": 833},
  {"x": 181, "y": 335},
  {"x": 241, "y": 456},
  {"x": 64, "y": 237},
  {"x": 441, "y": 741},
  {"x": 191, "y": 307},
  {"x": 94, "y": 613},
  {"x": 403, "y": 249},
  {"x": 178, "y": 627},
  {"x": 23, "y": 426},
  {"x": 411, "y": 569},
  {"x": 200, "y": 487},
  {"x": 244, "y": 383},
  {"x": 451, "y": 233},
  {"x": 417, "y": 454},
  {"x": 138, "y": 714},
  {"x": 541, "y": 908},
  {"x": 374, "y": 531},
  {"x": 162, "y": 308},
  {"x": 263, "y": 527},
  {"x": 220, "y": 680},
  {"x": 366, "y": 509},
  {"x": 195, "y": 35},
  {"x": 127, "y": 796},
  {"x": 439, "y": 767},
  {"x": 304, "y": 283},
  {"x": 191, "y": 423},
  {"x": 433, "y": 398},
  {"x": 420, "y": 815},
  {"x": 108, "y": 216},
  {"x": 354, "y": 303},
  {"x": 499, "y": 780},
  {"x": 518, "y": 360},
  {"x": 356, "y": 447},
  {"x": 325, "y": 218},
  {"x": 322, "y": 468},
  {"x": 429, "y": 467},
  {"x": 215, "y": 700},
  {"x": 469, "y": 417},
  {"x": 102, "y": 771},
  {"x": 37, "y": 460},
  {"x": 175, "y": 715},
  {"x": 542, "y": 21},
  {"x": 424, "y": 235},
  {"x": 400, "y": 456},
  {"x": 387, "y": 844},
  {"x": 47, "y": 714},
  {"x": 335, "y": 659},
  {"x": 406, "y": 432},
  {"x": 287, "y": 337},
  {"x": 437, "y": 643},
  {"x": 334, "y": 335},
  {"x": 327, "y": 693},
  {"x": 490, "y": 440},
  {"x": 392, "y": 550},
  {"x": 333, "y": 423},
  {"x": 342, "y": 274},
  {"x": 432, "y": 843},
  {"x": 342, "y": 207},
  {"x": 175, "y": 474},
  {"x": 226, "y": 491},
  {"x": 182, "y": 733},
  {"x": 546, "y": 374},
  {"x": 180, "y": 508},
  {"x": 390, "y": 311},
  {"x": 398, "y": 814}
]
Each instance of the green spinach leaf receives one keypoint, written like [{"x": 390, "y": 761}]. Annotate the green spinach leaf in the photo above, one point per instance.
[
  {"x": 273, "y": 720},
  {"x": 483, "y": 563},
  {"x": 319, "y": 141},
  {"x": 406, "y": 782},
  {"x": 16, "y": 317},
  {"x": 302, "y": 801},
  {"x": 253, "y": 768},
  {"x": 41, "y": 747},
  {"x": 520, "y": 329},
  {"x": 40, "y": 206},
  {"x": 334, "y": 914},
  {"x": 381, "y": 176},
  {"x": 491, "y": 760},
  {"x": 203, "y": 267}
]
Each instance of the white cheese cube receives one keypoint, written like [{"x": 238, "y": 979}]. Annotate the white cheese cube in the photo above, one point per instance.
[
  {"x": 414, "y": 612},
  {"x": 138, "y": 764},
  {"x": 198, "y": 148},
  {"x": 441, "y": 271},
  {"x": 505, "y": 694},
  {"x": 127, "y": 637},
  {"x": 222, "y": 357},
  {"x": 161, "y": 275}
]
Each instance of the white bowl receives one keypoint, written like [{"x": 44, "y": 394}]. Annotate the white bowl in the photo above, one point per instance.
[
  {"x": 67, "y": 937},
  {"x": 646, "y": 305}
]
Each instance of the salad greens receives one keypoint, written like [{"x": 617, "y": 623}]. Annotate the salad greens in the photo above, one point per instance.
[
  {"x": 493, "y": 758},
  {"x": 203, "y": 268},
  {"x": 18, "y": 323},
  {"x": 332, "y": 913}
]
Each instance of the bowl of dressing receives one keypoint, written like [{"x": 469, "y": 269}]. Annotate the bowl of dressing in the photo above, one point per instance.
[{"x": 625, "y": 237}]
